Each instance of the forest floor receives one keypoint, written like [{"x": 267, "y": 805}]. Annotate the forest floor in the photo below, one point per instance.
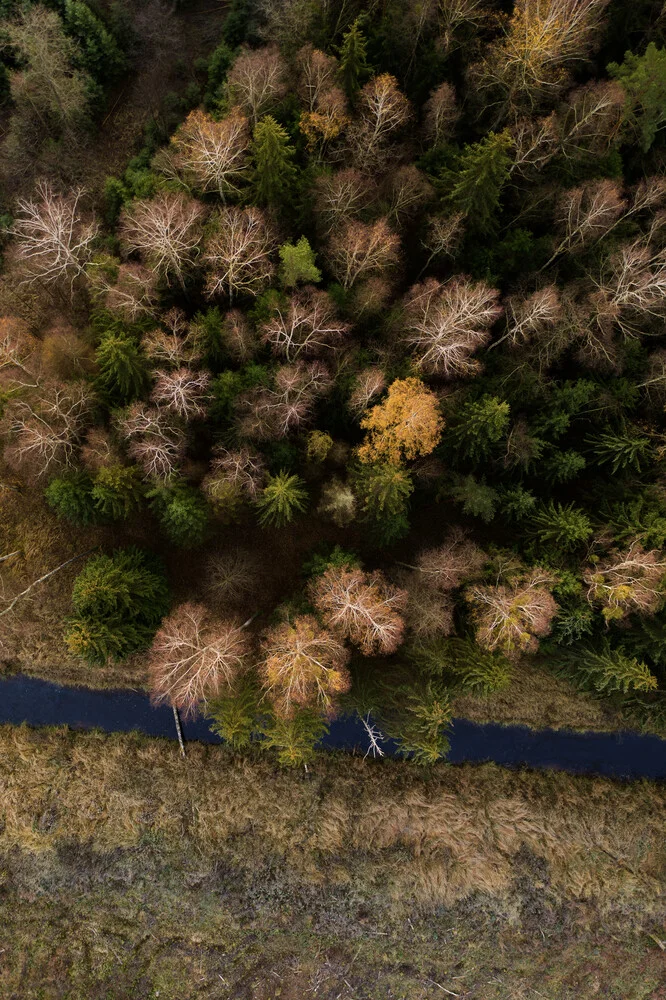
[
  {"x": 127, "y": 872},
  {"x": 169, "y": 41}
]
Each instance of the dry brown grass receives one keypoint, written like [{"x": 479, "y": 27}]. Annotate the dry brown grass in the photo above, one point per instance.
[
  {"x": 431, "y": 841},
  {"x": 128, "y": 872},
  {"x": 539, "y": 699}
]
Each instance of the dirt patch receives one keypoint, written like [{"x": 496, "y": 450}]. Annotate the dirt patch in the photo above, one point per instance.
[{"x": 169, "y": 43}]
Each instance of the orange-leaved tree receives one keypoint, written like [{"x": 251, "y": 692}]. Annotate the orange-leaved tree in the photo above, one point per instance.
[{"x": 406, "y": 424}]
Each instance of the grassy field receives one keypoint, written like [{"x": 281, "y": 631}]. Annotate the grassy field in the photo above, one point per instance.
[{"x": 128, "y": 872}]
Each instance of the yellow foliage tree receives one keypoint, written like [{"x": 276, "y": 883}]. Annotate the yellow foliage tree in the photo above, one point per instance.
[{"x": 405, "y": 425}]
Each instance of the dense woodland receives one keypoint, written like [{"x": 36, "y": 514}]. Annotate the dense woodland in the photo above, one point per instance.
[{"x": 386, "y": 281}]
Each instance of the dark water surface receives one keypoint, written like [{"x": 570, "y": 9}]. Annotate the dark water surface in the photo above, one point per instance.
[{"x": 620, "y": 755}]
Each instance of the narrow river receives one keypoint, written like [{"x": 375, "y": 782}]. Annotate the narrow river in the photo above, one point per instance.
[{"x": 620, "y": 755}]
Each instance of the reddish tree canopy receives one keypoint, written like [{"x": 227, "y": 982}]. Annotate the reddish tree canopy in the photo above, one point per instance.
[{"x": 362, "y": 607}]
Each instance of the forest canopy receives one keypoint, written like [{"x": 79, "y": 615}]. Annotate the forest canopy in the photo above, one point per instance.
[{"x": 354, "y": 376}]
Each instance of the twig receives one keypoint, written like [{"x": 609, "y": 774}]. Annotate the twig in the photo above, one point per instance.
[
  {"x": 443, "y": 988},
  {"x": 45, "y": 577},
  {"x": 9, "y": 555}
]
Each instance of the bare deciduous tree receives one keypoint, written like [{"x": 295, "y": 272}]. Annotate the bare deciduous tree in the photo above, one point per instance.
[
  {"x": 445, "y": 323},
  {"x": 587, "y": 213},
  {"x": 19, "y": 353},
  {"x": 154, "y": 442},
  {"x": 316, "y": 74},
  {"x": 54, "y": 235},
  {"x": 307, "y": 326},
  {"x": 326, "y": 122},
  {"x": 338, "y": 503},
  {"x": 362, "y": 607},
  {"x": 535, "y": 143},
  {"x": 257, "y": 81},
  {"x": 174, "y": 347},
  {"x": 452, "y": 563},
  {"x": 275, "y": 411},
  {"x": 455, "y": 14},
  {"x": 511, "y": 618},
  {"x": 195, "y": 656},
  {"x": 628, "y": 581},
  {"x": 440, "y": 114},
  {"x": 543, "y": 41},
  {"x": 165, "y": 230},
  {"x": 304, "y": 665},
  {"x": 238, "y": 254},
  {"x": 591, "y": 119},
  {"x": 368, "y": 383},
  {"x": 184, "y": 392},
  {"x": 383, "y": 110},
  {"x": 132, "y": 293},
  {"x": 357, "y": 249},
  {"x": 408, "y": 190},
  {"x": 232, "y": 577},
  {"x": 530, "y": 317},
  {"x": 243, "y": 469},
  {"x": 98, "y": 450},
  {"x": 50, "y": 95},
  {"x": 632, "y": 292},
  {"x": 429, "y": 613},
  {"x": 214, "y": 154},
  {"x": 44, "y": 428},
  {"x": 443, "y": 236},
  {"x": 341, "y": 196}
]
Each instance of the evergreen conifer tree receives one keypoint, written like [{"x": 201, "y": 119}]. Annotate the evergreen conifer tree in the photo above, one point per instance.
[
  {"x": 182, "y": 513},
  {"x": 611, "y": 670},
  {"x": 479, "y": 426},
  {"x": 643, "y": 78},
  {"x": 354, "y": 67},
  {"x": 71, "y": 498},
  {"x": 123, "y": 373},
  {"x": 281, "y": 498},
  {"x": 561, "y": 527},
  {"x": 117, "y": 491},
  {"x": 297, "y": 264},
  {"x": 479, "y": 181},
  {"x": 100, "y": 54},
  {"x": 119, "y": 601},
  {"x": 384, "y": 491},
  {"x": 274, "y": 170}
]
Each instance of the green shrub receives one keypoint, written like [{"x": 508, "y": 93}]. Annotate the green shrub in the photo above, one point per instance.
[
  {"x": 71, "y": 498},
  {"x": 117, "y": 491},
  {"x": 183, "y": 514},
  {"x": 119, "y": 601}
]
